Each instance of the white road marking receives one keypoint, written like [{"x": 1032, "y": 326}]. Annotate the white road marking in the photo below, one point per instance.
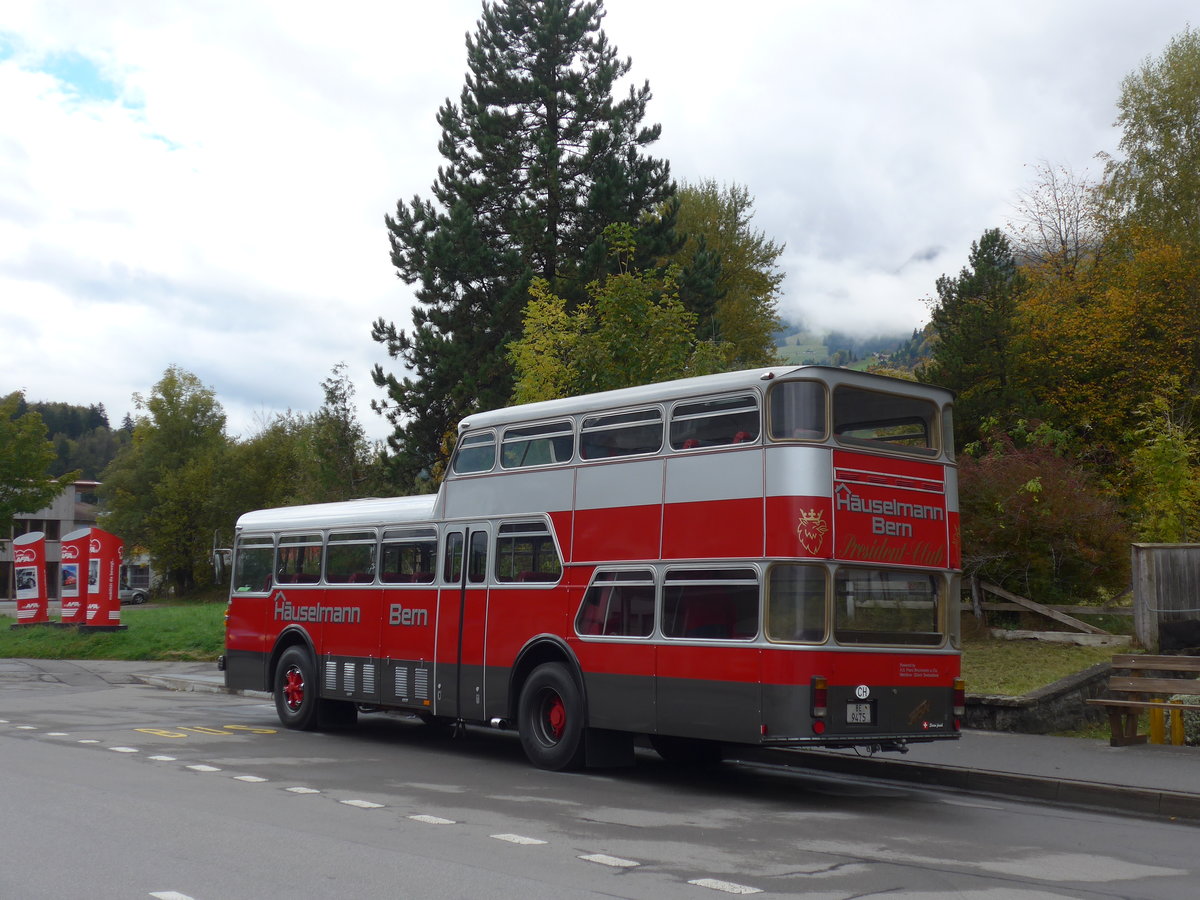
[
  {"x": 57, "y": 734},
  {"x": 253, "y": 779},
  {"x": 169, "y": 895},
  {"x": 728, "y": 887},
  {"x": 517, "y": 839},
  {"x": 303, "y": 790},
  {"x": 26, "y": 728},
  {"x": 433, "y": 820},
  {"x": 124, "y": 749},
  {"x": 89, "y": 741},
  {"x": 204, "y": 768},
  {"x": 605, "y": 860},
  {"x": 163, "y": 758},
  {"x": 362, "y": 804}
]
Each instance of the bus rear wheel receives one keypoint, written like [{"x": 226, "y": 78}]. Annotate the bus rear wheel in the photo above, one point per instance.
[{"x": 550, "y": 719}]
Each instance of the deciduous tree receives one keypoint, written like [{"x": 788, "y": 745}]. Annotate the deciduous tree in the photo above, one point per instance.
[
  {"x": 159, "y": 492},
  {"x": 1154, "y": 180},
  {"x": 716, "y": 223},
  {"x": 26, "y": 455},
  {"x": 633, "y": 330}
]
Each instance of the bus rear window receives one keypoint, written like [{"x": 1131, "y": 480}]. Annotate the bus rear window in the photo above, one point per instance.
[
  {"x": 885, "y": 421},
  {"x": 884, "y": 606}
]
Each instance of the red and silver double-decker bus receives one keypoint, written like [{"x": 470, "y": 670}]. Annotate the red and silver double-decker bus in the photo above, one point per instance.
[{"x": 765, "y": 557}]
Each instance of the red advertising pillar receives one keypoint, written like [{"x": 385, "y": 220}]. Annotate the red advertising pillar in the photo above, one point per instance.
[
  {"x": 29, "y": 562},
  {"x": 74, "y": 575},
  {"x": 104, "y": 576}
]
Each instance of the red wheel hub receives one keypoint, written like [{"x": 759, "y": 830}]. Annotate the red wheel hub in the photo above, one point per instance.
[
  {"x": 556, "y": 717},
  {"x": 293, "y": 688}
]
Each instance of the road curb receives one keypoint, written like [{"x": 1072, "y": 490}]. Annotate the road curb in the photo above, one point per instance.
[
  {"x": 1107, "y": 797},
  {"x": 204, "y": 684}
]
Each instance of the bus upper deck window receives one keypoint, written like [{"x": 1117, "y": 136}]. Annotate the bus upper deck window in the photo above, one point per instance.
[
  {"x": 797, "y": 411},
  {"x": 885, "y": 421},
  {"x": 475, "y": 453},
  {"x": 537, "y": 445},
  {"x": 621, "y": 434},
  {"x": 714, "y": 423}
]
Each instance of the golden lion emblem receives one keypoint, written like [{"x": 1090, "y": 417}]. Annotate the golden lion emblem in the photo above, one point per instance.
[{"x": 811, "y": 530}]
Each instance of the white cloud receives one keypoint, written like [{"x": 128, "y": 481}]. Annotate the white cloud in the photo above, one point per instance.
[{"x": 225, "y": 211}]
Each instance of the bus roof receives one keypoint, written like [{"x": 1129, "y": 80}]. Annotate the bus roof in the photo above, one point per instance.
[
  {"x": 667, "y": 391},
  {"x": 368, "y": 513}
]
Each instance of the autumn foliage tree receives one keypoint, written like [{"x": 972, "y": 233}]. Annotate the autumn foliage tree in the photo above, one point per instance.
[{"x": 1039, "y": 524}]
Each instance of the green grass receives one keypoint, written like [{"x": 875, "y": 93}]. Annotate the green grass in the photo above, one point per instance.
[
  {"x": 177, "y": 630},
  {"x": 1014, "y": 668}
]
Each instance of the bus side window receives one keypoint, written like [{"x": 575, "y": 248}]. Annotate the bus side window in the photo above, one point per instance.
[
  {"x": 409, "y": 556},
  {"x": 714, "y": 423},
  {"x": 452, "y": 565},
  {"x": 525, "y": 552},
  {"x": 299, "y": 559},
  {"x": 711, "y": 604},
  {"x": 621, "y": 434},
  {"x": 350, "y": 558},
  {"x": 618, "y": 604}
]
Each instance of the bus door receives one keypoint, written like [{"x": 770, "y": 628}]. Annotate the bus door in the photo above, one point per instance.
[{"x": 462, "y": 612}]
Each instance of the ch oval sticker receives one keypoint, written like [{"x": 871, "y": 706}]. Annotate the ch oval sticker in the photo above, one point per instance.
[{"x": 862, "y": 692}]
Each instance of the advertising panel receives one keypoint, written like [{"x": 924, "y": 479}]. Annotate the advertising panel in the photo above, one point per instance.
[
  {"x": 29, "y": 563},
  {"x": 890, "y": 511},
  {"x": 74, "y": 574},
  {"x": 103, "y": 607}
]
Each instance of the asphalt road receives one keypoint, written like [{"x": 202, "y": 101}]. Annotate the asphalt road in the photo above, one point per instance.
[{"x": 131, "y": 791}]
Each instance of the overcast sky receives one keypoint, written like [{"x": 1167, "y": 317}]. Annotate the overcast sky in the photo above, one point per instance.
[{"x": 204, "y": 184}]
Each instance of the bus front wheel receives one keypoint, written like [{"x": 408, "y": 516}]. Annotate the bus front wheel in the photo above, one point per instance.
[
  {"x": 295, "y": 689},
  {"x": 550, "y": 719}
]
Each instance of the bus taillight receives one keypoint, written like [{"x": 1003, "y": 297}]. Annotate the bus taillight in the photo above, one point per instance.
[
  {"x": 960, "y": 698},
  {"x": 819, "y": 692},
  {"x": 820, "y": 696}
]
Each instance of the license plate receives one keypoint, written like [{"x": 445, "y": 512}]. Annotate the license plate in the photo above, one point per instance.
[{"x": 858, "y": 713}]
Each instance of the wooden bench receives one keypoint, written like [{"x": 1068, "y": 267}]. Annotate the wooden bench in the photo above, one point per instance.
[{"x": 1144, "y": 686}]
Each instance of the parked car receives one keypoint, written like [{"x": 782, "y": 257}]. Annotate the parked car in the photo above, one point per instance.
[{"x": 132, "y": 595}]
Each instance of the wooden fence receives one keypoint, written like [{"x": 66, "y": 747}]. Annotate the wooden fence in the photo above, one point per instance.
[{"x": 1166, "y": 596}]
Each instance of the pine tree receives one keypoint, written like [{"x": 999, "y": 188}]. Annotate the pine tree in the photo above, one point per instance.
[
  {"x": 539, "y": 158},
  {"x": 974, "y": 318}
]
